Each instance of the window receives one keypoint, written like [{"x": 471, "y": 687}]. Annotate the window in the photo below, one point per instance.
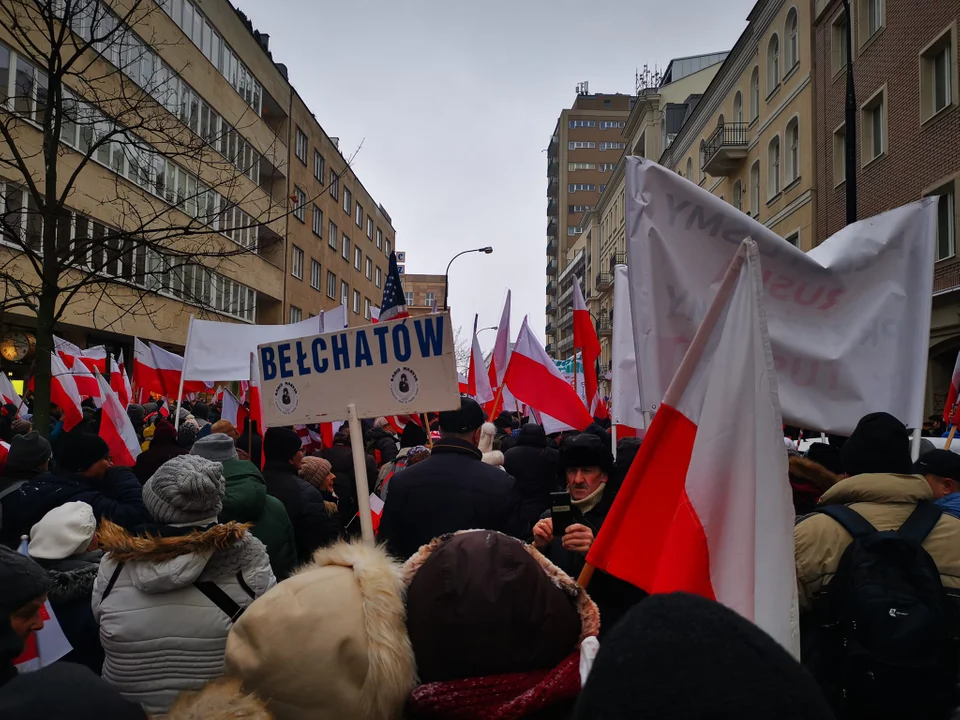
[
  {"x": 334, "y": 184},
  {"x": 317, "y": 221},
  {"x": 379, "y": 239},
  {"x": 315, "y": 274},
  {"x": 738, "y": 107},
  {"x": 574, "y": 209},
  {"x": 409, "y": 296},
  {"x": 608, "y": 124},
  {"x": 347, "y": 201},
  {"x": 356, "y": 302},
  {"x": 937, "y": 75},
  {"x": 738, "y": 195},
  {"x": 838, "y": 43},
  {"x": 839, "y": 155},
  {"x": 368, "y": 268},
  {"x": 359, "y": 216},
  {"x": 387, "y": 245},
  {"x": 612, "y": 145},
  {"x": 577, "y": 145},
  {"x": 366, "y": 308},
  {"x": 607, "y": 167},
  {"x": 602, "y": 188},
  {"x": 773, "y": 168},
  {"x": 345, "y": 248},
  {"x": 871, "y": 18},
  {"x": 299, "y": 204},
  {"x": 574, "y": 230},
  {"x": 318, "y": 166},
  {"x": 755, "y": 189},
  {"x": 755, "y": 94},
  {"x": 873, "y": 118},
  {"x": 357, "y": 259},
  {"x": 379, "y": 277},
  {"x": 773, "y": 64},
  {"x": 794, "y": 239},
  {"x": 793, "y": 151},
  {"x": 581, "y": 187},
  {"x": 331, "y": 285},
  {"x": 582, "y": 124},
  {"x": 946, "y": 221},
  {"x": 581, "y": 166},
  {"x": 296, "y": 314},
  {"x": 792, "y": 53},
  {"x": 301, "y": 146},
  {"x": 430, "y": 299},
  {"x": 332, "y": 235},
  {"x": 296, "y": 263},
  {"x": 689, "y": 169},
  {"x": 344, "y": 292},
  {"x": 369, "y": 227}
]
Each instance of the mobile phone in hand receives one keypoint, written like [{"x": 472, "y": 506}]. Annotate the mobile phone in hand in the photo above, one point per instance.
[{"x": 562, "y": 513}]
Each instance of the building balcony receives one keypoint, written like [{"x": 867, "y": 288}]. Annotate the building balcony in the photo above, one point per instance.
[
  {"x": 551, "y": 267},
  {"x": 617, "y": 259},
  {"x": 725, "y": 150},
  {"x": 549, "y": 328},
  {"x": 566, "y": 320},
  {"x": 551, "y": 286},
  {"x": 552, "y": 243},
  {"x": 549, "y": 348},
  {"x": 565, "y": 344},
  {"x": 565, "y": 296},
  {"x": 551, "y": 308},
  {"x": 604, "y": 282},
  {"x": 604, "y": 326}
]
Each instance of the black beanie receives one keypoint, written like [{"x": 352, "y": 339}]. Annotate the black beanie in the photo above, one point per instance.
[
  {"x": 78, "y": 451},
  {"x": 826, "y": 455},
  {"x": 412, "y": 435},
  {"x": 280, "y": 444},
  {"x": 28, "y": 451},
  {"x": 684, "y": 657},
  {"x": 22, "y": 580},
  {"x": 586, "y": 450},
  {"x": 201, "y": 411},
  {"x": 880, "y": 444}
]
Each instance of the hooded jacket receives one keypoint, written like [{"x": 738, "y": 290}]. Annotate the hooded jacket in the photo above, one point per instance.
[
  {"x": 808, "y": 481},
  {"x": 163, "y": 446},
  {"x": 533, "y": 466},
  {"x": 340, "y": 458},
  {"x": 312, "y": 526},
  {"x": 160, "y": 633},
  {"x": 246, "y": 501},
  {"x": 383, "y": 441},
  {"x": 71, "y": 588}
]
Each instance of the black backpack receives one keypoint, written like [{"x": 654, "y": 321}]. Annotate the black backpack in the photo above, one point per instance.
[{"x": 887, "y": 630}]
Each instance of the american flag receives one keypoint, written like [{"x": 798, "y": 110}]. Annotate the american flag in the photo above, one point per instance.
[{"x": 394, "y": 305}]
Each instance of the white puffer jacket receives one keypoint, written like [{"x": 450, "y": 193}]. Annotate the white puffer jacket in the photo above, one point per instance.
[{"x": 160, "y": 633}]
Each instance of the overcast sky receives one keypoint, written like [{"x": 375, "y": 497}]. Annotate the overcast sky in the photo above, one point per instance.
[{"x": 454, "y": 103}]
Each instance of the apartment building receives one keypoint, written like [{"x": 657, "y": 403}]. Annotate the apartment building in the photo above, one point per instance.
[
  {"x": 905, "y": 64},
  {"x": 423, "y": 291},
  {"x": 585, "y": 147},
  {"x": 339, "y": 239}
]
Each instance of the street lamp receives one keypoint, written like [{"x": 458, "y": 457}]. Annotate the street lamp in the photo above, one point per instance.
[
  {"x": 492, "y": 327},
  {"x": 446, "y": 275}
]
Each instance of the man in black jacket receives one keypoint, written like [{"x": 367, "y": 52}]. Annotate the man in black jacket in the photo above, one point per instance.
[
  {"x": 381, "y": 442},
  {"x": 312, "y": 526},
  {"x": 534, "y": 466},
  {"x": 449, "y": 491}
]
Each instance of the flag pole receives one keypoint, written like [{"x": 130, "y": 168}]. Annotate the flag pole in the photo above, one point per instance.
[
  {"x": 183, "y": 374},
  {"x": 695, "y": 351},
  {"x": 426, "y": 426},
  {"x": 360, "y": 475},
  {"x": 250, "y": 419},
  {"x": 949, "y": 442},
  {"x": 496, "y": 402}
]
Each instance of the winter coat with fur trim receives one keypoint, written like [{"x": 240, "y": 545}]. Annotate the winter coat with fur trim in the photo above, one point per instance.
[{"x": 161, "y": 634}]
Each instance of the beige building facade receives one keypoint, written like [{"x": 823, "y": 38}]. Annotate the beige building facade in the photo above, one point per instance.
[{"x": 423, "y": 291}]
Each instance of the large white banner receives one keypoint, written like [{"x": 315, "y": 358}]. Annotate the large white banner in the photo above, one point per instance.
[
  {"x": 849, "y": 321},
  {"x": 625, "y": 377}
]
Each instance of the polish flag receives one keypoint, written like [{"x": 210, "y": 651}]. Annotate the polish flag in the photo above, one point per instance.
[
  {"x": 374, "y": 315},
  {"x": 64, "y": 393},
  {"x": 463, "y": 384},
  {"x": 706, "y": 506},
  {"x": 951, "y": 410},
  {"x": 115, "y": 427},
  {"x": 94, "y": 358},
  {"x": 498, "y": 363},
  {"x": 231, "y": 409},
  {"x": 120, "y": 383},
  {"x": 585, "y": 338},
  {"x": 535, "y": 379},
  {"x": 145, "y": 374},
  {"x": 169, "y": 367},
  {"x": 399, "y": 422},
  {"x": 256, "y": 409},
  {"x": 478, "y": 384},
  {"x": 10, "y": 396},
  {"x": 66, "y": 350},
  {"x": 87, "y": 384},
  {"x": 326, "y": 434},
  {"x": 46, "y": 645}
]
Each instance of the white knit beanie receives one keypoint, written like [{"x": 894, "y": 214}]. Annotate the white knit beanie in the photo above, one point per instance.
[{"x": 64, "y": 531}]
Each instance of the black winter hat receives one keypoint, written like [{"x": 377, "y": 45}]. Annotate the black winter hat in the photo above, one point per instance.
[
  {"x": 468, "y": 418},
  {"x": 944, "y": 463},
  {"x": 504, "y": 421},
  {"x": 670, "y": 644},
  {"x": 22, "y": 580},
  {"x": 826, "y": 455},
  {"x": 281, "y": 444},
  {"x": 412, "y": 435},
  {"x": 78, "y": 451},
  {"x": 136, "y": 413},
  {"x": 53, "y": 694},
  {"x": 880, "y": 444},
  {"x": 586, "y": 450},
  {"x": 201, "y": 411},
  {"x": 28, "y": 451}
]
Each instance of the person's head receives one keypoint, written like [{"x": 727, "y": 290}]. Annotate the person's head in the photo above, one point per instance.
[
  {"x": 29, "y": 452},
  {"x": 879, "y": 444},
  {"x": 586, "y": 462},
  {"x": 187, "y": 489},
  {"x": 187, "y": 435},
  {"x": 136, "y": 413},
  {"x": 827, "y": 456},
  {"x": 941, "y": 469},
  {"x": 318, "y": 472},
  {"x": 504, "y": 421},
  {"x": 935, "y": 421},
  {"x": 225, "y": 427},
  {"x": 416, "y": 455},
  {"x": 201, "y": 411},
  {"x": 412, "y": 435},
  {"x": 25, "y": 585},
  {"x": 67, "y": 530},
  {"x": 215, "y": 447},
  {"x": 464, "y": 423},
  {"x": 283, "y": 445},
  {"x": 83, "y": 453},
  {"x": 382, "y": 424},
  {"x": 164, "y": 433}
]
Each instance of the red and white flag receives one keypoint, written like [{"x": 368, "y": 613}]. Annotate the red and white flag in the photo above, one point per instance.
[
  {"x": 64, "y": 393},
  {"x": 231, "y": 408},
  {"x": 115, "y": 427},
  {"x": 535, "y": 379},
  {"x": 94, "y": 358},
  {"x": 169, "y": 367},
  {"x": 498, "y": 363},
  {"x": 399, "y": 422},
  {"x": 478, "y": 384},
  {"x": 585, "y": 338},
  {"x": 145, "y": 374},
  {"x": 463, "y": 384},
  {"x": 48, "y": 644},
  {"x": 119, "y": 383},
  {"x": 66, "y": 350},
  {"x": 706, "y": 506},
  {"x": 256, "y": 409},
  {"x": 10, "y": 396},
  {"x": 951, "y": 410},
  {"x": 87, "y": 384}
]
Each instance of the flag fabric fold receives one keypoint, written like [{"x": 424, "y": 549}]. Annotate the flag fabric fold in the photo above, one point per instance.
[
  {"x": 585, "y": 338},
  {"x": 498, "y": 364},
  {"x": 119, "y": 383},
  {"x": 64, "y": 393},
  {"x": 10, "y": 395},
  {"x": 706, "y": 505},
  {"x": 951, "y": 412},
  {"x": 478, "y": 383},
  {"x": 87, "y": 384},
  {"x": 115, "y": 426},
  {"x": 230, "y": 409}
]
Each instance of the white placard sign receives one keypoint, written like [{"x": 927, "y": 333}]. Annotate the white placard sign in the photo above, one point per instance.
[{"x": 390, "y": 368}]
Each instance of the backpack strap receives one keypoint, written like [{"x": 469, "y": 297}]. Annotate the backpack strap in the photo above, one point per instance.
[
  {"x": 850, "y": 520},
  {"x": 112, "y": 582},
  {"x": 921, "y": 521},
  {"x": 219, "y": 597}
]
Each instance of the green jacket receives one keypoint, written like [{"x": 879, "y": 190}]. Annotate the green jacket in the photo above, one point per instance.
[{"x": 246, "y": 501}]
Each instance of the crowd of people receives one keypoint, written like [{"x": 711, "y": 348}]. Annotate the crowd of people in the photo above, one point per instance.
[{"x": 224, "y": 576}]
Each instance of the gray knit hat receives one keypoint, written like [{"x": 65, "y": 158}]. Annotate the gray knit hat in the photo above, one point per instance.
[
  {"x": 185, "y": 489},
  {"x": 216, "y": 447}
]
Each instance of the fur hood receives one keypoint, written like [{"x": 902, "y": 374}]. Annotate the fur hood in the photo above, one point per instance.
[
  {"x": 221, "y": 699},
  {"x": 812, "y": 473},
  {"x": 125, "y": 546},
  {"x": 494, "y": 457}
]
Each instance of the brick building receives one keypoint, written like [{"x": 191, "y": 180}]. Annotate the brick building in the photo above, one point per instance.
[
  {"x": 422, "y": 292},
  {"x": 908, "y": 127}
]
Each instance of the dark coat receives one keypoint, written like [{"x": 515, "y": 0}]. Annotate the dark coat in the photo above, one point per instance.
[
  {"x": 70, "y": 593},
  {"x": 340, "y": 458},
  {"x": 312, "y": 526},
  {"x": 383, "y": 441},
  {"x": 449, "y": 491},
  {"x": 534, "y": 466},
  {"x": 116, "y": 497},
  {"x": 162, "y": 448}
]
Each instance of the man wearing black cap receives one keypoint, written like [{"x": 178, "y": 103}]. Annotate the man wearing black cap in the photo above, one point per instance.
[
  {"x": 25, "y": 586},
  {"x": 449, "y": 491}
]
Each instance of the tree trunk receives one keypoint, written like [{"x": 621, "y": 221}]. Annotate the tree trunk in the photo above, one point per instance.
[{"x": 41, "y": 377}]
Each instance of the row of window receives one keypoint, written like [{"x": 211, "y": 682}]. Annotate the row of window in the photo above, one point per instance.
[
  {"x": 571, "y": 167},
  {"x": 581, "y": 145},
  {"x": 296, "y": 314},
  {"x": 578, "y": 187},
  {"x": 360, "y": 263},
  {"x": 612, "y": 146},
  {"x": 198, "y": 28},
  {"x": 582, "y": 124},
  {"x": 574, "y": 230},
  {"x": 574, "y": 209},
  {"x": 612, "y": 124},
  {"x": 607, "y": 167},
  {"x": 428, "y": 299}
]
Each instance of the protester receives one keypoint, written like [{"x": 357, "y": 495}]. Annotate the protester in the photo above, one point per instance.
[
  {"x": 225, "y": 427},
  {"x": 85, "y": 474},
  {"x": 163, "y": 446},
  {"x": 137, "y": 415},
  {"x": 496, "y": 629},
  {"x": 627, "y": 449},
  {"x": 449, "y": 491},
  {"x": 24, "y": 591},
  {"x": 65, "y": 691},
  {"x": 329, "y": 642},
  {"x": 318, "y": 472},
  {"x": 684, "y": 657},
  {"x": 250, "y": 444},
  {"x": 312, "y": 526},
  {"x": 879, "y": 489},
  {"x": 533, "y": 466},
  {"x": 166, "y": 597},
  {"x": 188, "y": 433},
  {"x": 504, "y": 427},
  {"x": 64, "y": 543},
  {"x": 345, "y": 486},
  {"x": 245, "y": 500},
  {"x": 201, "y": 413},
  {"x": 417, "y": 455},
  {"x": 490, "y": 456},
  {"x": 808, "y": 481},
  {"x": 380, "y": 442},
  {"x": 29, "y": 456},
  {"x": 412, "y": 436}
]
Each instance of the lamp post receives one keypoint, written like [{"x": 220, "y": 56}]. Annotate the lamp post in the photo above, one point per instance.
[
  {"x": 850, "y": 125},
  {"x": 446, "y": 275},
  {"x": 492, "y": 327}
]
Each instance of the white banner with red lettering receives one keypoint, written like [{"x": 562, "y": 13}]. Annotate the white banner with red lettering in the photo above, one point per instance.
[{"x": 849, "y": 321}]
